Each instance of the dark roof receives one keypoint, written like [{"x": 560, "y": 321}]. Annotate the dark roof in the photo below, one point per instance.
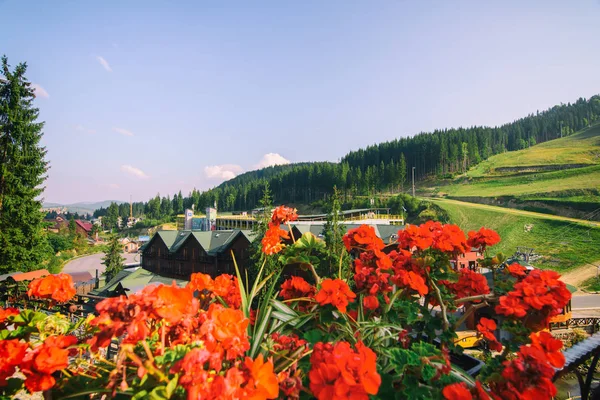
[
  {"x": 82, "y": 276},
  {"x": 212, "y": 242},
  {"x": 104, "y": 290}
]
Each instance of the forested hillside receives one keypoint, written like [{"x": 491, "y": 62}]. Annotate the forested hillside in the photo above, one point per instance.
[{"x": 387, "y": 166}]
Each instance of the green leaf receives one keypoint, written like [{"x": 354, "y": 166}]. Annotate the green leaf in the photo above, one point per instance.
[
  {"x": 140, "y": 395},
  {"x": 402, "y": 358},
  {"x": 313, "y": 336},
  {"x": 428, "y": 372},
  {"x": 282, "y": 307},
  {"x": 158, "y": 393},
  {"x": 172, "y": 385}
]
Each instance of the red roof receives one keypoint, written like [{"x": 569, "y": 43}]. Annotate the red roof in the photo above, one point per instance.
[
  {"x": 29, "y": 276},
  {"x": 87, "y": 226}
]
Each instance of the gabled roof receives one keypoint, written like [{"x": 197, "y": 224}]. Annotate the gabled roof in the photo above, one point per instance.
[
  {"x": 168, "y": 237},
  {"x": 87, "y": 226}
]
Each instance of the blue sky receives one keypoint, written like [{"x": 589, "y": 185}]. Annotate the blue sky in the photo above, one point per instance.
[{"x": 141, "y": 97}]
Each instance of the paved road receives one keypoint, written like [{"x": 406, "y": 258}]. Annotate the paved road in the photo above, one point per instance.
[
  {"x": 512, "y": 211},
  {"x": 585, "y": 301},
  {"x": 94, "y": 262}
]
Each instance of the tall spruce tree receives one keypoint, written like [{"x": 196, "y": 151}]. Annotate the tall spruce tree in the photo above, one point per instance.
[
  {"x": 23, "y": 167},
  {"x": 333, "y": 232},
  {"x": 113, "y": 259}
]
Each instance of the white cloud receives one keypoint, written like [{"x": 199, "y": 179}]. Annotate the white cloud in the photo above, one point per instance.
[
  {"x": 222, "y": 172},
  {"x": 271, "y": 159},
  {"x": 112, "y": 186},
  {"x": 133, "y": 171},
  {"x": 104, "y": 63},
  {"x": 83, "y": 129},
  {"x": 123, "y": 131},
  {"x": 39, "y": 90}
]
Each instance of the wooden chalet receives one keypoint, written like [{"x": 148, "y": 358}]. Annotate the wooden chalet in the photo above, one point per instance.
[{"x": 178, "y": 254}]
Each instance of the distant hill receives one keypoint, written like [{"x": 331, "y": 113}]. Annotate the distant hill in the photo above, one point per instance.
[
  {"x": 561, "y": 176},
  {"x": 83, "y": 207},
  {"x": 432, "y": 156}
]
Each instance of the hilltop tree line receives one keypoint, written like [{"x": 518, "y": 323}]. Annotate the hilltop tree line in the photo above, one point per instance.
[{"x": 384, "y": 167}]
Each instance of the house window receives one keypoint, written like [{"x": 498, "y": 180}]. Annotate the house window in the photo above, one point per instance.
[
  {"x": 472, "y": 265},
  {"x": 185, "y": 254}
]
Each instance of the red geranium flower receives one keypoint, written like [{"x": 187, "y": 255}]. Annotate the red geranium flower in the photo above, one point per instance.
[
  {"x": 457, "y": 391},
  {"x": 11, "y": 354},
  {"x": 272, "y": 240},
  {"x": 7, "y": 312},
  {"x": 296, "y": 287},
  {"x": 370, "y": 302},
  {"x": 283, "y": 215},
  {"x": 59, "y": 288},
  {"x": 363, "y": 237},
  {"x": 483, "y": 238},
  {"x": 517, "y": 270},
  {"x": 263, "y": 383},
  {"x": 335, "y": 292}
]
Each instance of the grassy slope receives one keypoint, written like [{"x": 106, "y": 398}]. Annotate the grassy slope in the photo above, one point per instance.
[
  {"x": 563, "y": 244},
  {"x": 531, "y": 184},
  {"x": 580, "y": 148}
]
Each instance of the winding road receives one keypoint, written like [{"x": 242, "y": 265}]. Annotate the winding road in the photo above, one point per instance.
[{"x": 93, "y": 262}]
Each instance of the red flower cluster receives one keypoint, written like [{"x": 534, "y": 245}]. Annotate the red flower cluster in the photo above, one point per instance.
[
  {"x": 517, "y": 270},
  {"x": 446, "y": 238},
  {"x": 335, "y": 292},
  {"x": 272, "y": 240},
  {"x": 225, "y": 286},
  {"x": 132, "y": 315},
  {"x": 59, "y": 288},
  {"x": 372, "y": 272},
  {"x": 470, "y": 283},
  {"x": 11, "y": 355},
  {"x": 7, "y": 312},
  {"x": 363, "y": 238},
  {"x": 340, "y": 372},
  {"x": 252, "y": 379},
  {"x": 529, "y": 375},
  {"x": 290, "y": 348},
  {"x": 540, "y": 292},
  {"x": 460, "y": 391},
  {"x": 483, "y": 238},
  {"x": 39, "y": 364},
  {"x": 407, "y": 274},
  {"x": 296, "y": 287},
  {"x": 283, "y": 215},
  {"x": 487, "y": 327}
]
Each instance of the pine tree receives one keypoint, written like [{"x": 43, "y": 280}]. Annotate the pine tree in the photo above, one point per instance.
[
  {"x": 259, "y": 229},
  {"x": 333, "y": 232},
  {"x": 402, "y": 172},
  {"x": 23, "y": 167},
  {"x": 72, "y": 226},
  {"x": 113, "y": 259}
]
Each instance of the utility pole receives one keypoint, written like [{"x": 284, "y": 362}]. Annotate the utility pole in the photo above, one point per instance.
[{"x": 413, "y": 180}]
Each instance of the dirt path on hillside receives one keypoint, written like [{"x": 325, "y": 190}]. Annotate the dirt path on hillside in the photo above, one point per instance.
[
  {"x": 513, "y": 211},
  {"x": 579, "y": 275}
]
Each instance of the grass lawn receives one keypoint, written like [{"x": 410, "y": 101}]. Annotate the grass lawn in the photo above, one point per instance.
[
  {"x": 564, "y": 245},
  {"x": 591, "y": 285}
]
